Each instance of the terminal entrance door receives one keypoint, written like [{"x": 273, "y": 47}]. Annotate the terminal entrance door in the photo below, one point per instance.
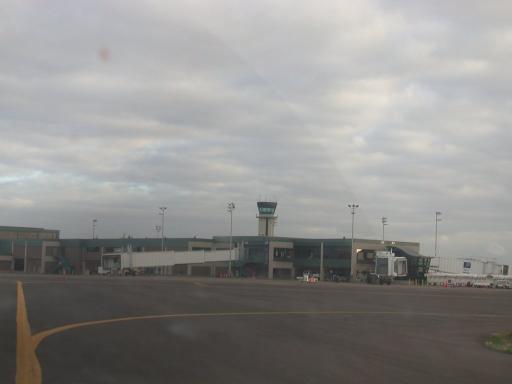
[
  {"x": 19, "y": 264},
  {"x": 282, "y": 273}
]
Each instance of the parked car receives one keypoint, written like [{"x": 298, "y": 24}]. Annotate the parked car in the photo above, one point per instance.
[
  {"x": 503, "y": 284},
  {"x": 482, "y": 284}
]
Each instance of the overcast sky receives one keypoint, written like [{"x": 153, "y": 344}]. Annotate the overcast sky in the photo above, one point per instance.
[{"x": 111, "y": 109}]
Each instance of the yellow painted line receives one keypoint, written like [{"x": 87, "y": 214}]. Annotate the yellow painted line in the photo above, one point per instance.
[
  {"x": 39, "y": 337},
  {"x": 198, "y": 284},
  {"x": 28, "y": 370}
]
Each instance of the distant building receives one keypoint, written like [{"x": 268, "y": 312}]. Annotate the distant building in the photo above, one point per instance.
[
  {"x": 37, "y": 250},
  {"x": 258, "y": 256},
  {"x": 26, "y": 249}
]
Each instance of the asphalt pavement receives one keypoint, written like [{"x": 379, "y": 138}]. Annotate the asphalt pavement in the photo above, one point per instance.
[{"x": 199, "y": 330}]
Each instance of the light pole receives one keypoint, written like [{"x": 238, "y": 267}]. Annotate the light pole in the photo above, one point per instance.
[
  {"x": 231, "y": 208},
  {"x": 438, "y": 219},
  {"x": 94, "y": 222},
  {"x": 353, "y": 211},
  {"x": 162, "y": 213},
  {"x": 384, "y": 223}
]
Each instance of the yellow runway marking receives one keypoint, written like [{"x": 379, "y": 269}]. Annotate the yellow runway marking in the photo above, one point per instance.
[{"x": 28, "y": 370}]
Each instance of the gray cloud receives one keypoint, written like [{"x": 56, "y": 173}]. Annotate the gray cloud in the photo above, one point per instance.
[{"x": 110, "y": 109}]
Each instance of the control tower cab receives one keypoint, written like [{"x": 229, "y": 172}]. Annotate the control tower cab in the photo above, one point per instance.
[{"x": 266, "y": 218}]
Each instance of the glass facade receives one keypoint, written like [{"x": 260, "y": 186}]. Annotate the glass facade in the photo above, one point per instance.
[{"x": 266, "y": 208}]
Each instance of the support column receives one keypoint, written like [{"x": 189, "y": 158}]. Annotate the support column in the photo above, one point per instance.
[
  {"x": 43, "y": 255},
  {"x": 353, "y": 262},
  {"x": 322, "y": 261},
  {"x": 12, "y": 255},
  {"x": 189, "y": 269},
  {"x": 270, "y": 261},
  {"x": 25, "y": 262}
]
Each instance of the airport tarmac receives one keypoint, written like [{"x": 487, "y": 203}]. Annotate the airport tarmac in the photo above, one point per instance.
[{"x": 85, "y": 329}]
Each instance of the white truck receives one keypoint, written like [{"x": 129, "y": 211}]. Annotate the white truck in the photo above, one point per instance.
[{"x": 387, "y": 268}]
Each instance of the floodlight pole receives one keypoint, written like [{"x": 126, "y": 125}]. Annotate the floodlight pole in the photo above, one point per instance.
[
  {"x": 353, "y": 211},
  {"x": 231, "y": 208},
  {"x": 94, "y": 222},
  {"x": 384, "y": 223},
  {"x": 438, "y": 219},
  {"x": 162, "y": 213}
]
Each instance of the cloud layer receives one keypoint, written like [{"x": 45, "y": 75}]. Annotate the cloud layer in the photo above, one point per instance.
[{"x": 111, "y": 109}]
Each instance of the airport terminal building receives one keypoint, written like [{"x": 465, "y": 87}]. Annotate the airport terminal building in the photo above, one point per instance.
[{"x": 38, "y": 250}]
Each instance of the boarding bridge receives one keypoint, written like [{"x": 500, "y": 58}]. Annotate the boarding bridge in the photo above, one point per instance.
[{"x": 131, "y": 259}]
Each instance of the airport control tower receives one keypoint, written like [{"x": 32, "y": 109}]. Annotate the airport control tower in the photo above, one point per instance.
[{"x": 266, "y": 218}]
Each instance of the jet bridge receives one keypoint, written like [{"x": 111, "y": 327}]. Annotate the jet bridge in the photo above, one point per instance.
[{"x": 132, "y": 259}]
